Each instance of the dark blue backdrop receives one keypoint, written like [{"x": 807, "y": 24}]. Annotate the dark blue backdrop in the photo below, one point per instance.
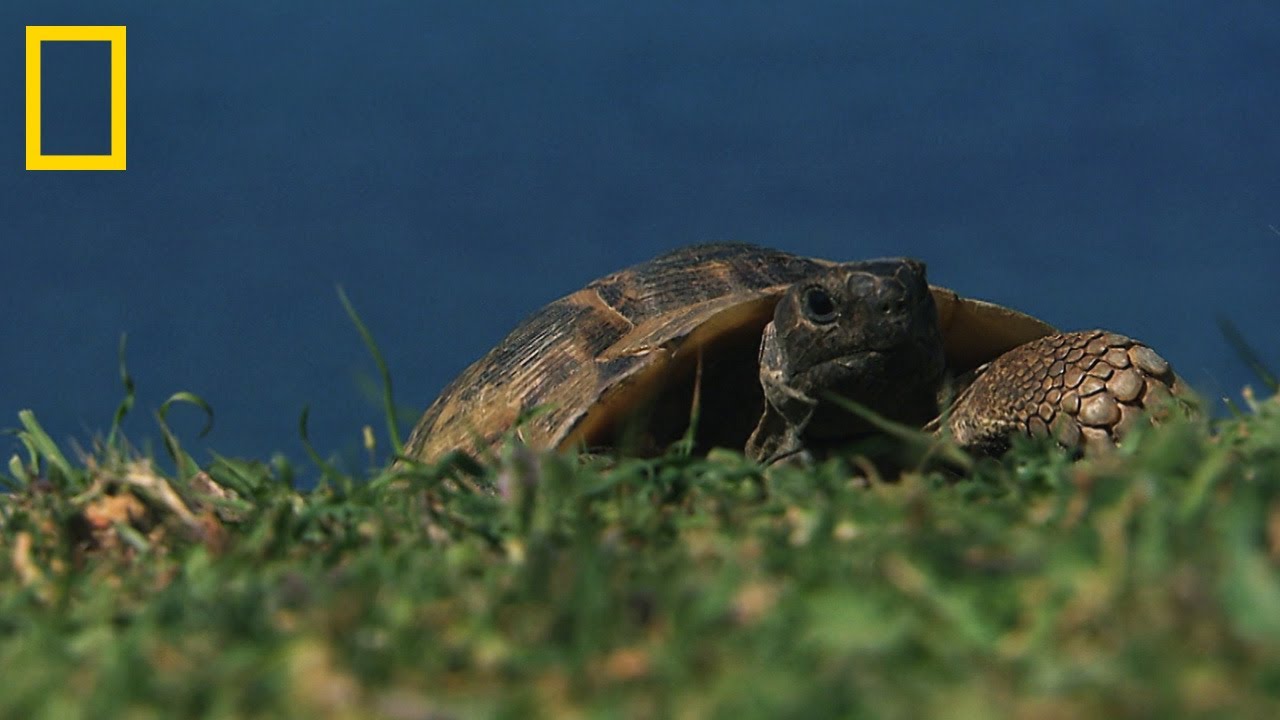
[{"x": 455, "y": 165}]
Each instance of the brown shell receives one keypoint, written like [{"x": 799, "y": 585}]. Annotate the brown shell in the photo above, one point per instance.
[{"x": 591, "y": 357}]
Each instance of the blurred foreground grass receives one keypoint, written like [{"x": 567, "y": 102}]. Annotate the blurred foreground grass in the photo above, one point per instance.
[{"x": 1139, "y": 584}]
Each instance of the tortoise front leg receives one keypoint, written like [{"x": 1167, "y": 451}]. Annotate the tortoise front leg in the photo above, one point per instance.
[{"x": 1083, "y": 388}]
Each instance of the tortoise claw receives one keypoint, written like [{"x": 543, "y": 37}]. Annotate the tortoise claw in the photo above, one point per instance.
[{"x": 1086, "y": 389}]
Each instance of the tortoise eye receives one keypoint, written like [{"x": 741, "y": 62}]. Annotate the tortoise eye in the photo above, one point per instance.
[{"x": 818, "y": 305}]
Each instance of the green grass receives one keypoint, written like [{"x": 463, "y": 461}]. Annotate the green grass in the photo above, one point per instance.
[{"x": 1139, "y": 584}]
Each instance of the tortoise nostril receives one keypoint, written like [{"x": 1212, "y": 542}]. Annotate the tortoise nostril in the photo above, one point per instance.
[{"x": 892, "y": 307}]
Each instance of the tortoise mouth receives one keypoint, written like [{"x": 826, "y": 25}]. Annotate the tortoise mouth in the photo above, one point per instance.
[
  {"x": 915, "y": 356},
  {"x": 856, "y": 361},
  {"x": 899, "y": 384},
  {"x": 894, "y": 356},
  {"x": 878, "y": 376},
  {"x": 851, "y": 371}
]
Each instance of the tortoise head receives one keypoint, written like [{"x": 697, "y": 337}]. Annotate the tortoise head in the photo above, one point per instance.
[{"x": 866, "y": 331}]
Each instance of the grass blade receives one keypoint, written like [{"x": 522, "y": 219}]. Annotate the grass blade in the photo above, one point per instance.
[{"x": 388, "y": 398}]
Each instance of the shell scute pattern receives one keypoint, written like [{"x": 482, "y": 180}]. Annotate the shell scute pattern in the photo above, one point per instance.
[{"x": 558, "y": 358}]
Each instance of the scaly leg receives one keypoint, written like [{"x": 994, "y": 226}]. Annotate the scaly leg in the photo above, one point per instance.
[{"x": 1084, "y": 388}]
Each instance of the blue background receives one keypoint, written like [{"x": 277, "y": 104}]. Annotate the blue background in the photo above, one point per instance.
[{"x": 456, "y": 165}]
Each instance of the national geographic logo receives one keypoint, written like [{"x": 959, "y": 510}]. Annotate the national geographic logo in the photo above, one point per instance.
[{"x": 113, "y": 34}]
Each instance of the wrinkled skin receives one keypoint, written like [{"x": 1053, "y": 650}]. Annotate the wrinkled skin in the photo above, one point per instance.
[{"x": 865, "y": 331}]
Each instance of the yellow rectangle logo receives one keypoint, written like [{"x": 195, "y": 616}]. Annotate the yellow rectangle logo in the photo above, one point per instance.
[{"x": 113, "y": 34}]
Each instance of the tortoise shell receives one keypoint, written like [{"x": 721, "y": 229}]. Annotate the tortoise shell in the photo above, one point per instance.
[{"x": 617, "y": 361}]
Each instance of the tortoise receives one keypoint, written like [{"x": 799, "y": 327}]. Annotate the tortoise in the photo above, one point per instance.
[{"x": 760, "y": 344}]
